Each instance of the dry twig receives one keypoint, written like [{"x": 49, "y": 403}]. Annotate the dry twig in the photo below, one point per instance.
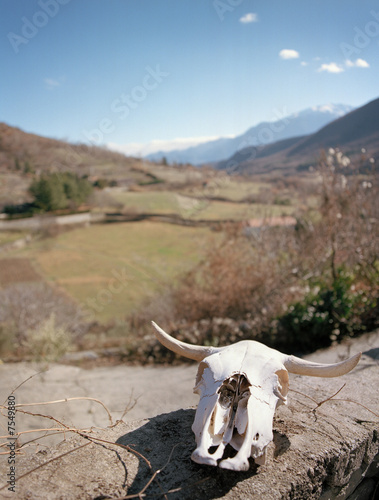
[
  {"x": 330, "y": 398},
  {"x": 78, "y": 398}
]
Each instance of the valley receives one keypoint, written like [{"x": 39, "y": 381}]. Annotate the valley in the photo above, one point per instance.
[{"x": 153, "y": 226}]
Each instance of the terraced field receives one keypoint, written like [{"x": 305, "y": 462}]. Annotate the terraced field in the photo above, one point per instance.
[{"x": 221, "y": 200}]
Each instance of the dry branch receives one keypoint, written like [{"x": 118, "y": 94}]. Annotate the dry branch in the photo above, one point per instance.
[{"x": 330, "y": 398}]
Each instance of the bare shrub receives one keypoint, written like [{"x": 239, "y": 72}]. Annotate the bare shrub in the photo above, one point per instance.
[
  {"x": 240, "y": 276},
  {"x": 340, "y": 249},
  {"x": 48, "y": 342},
  {"x": 345, "y": 231},
  {"x": 26, "y": 307}
]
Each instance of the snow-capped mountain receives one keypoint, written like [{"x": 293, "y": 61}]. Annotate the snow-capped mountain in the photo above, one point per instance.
[
  {"x": 353, "y": 133},
  {"x": 304, "y": 122}
]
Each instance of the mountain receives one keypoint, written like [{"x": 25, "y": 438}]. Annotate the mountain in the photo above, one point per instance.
[
  {"x": 357, "y": 129},
  {"x": 302, "y": 123},
  {"x": 351, "y": 133}
]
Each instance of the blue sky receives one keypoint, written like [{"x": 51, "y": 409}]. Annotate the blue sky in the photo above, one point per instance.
[{"x": 130, "y": 72}]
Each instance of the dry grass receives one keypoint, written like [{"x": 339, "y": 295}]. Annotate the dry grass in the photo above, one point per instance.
[{"x": 17, "y": 270}]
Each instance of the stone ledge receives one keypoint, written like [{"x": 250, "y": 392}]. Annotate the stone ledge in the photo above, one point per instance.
[{"x": 329, "y": 453}]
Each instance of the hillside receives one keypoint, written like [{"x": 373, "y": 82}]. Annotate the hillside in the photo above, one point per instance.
[
  {"x": 24, "y": 155},
  {"x": 358, "y": 129},
  {"x": 353, "y": 132},
  {"x": 24, "y": 152}
]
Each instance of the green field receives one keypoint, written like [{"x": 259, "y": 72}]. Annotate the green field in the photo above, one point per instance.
[
  {"x": 196, "y": 206},
  {"x": 148, "y": 201},
  {"x": 229, "y": 188},
  {"x": 223, "y": 210},
  {"x": 112, "y": 269}
]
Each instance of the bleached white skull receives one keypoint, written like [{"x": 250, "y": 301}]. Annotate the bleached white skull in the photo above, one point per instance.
[{"x": 240, "y": 387}]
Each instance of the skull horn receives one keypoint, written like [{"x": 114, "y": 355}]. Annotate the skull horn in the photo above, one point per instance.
[
  {"x": 302, "y": 367},
  {"x": 198, "y": 353}
]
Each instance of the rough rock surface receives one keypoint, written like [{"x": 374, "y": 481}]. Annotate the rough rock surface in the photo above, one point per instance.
[{"x": 328, "y": 452}]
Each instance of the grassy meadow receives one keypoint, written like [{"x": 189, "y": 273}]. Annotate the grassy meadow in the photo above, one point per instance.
[
  {"x": 220, "y": 198},
  {"x": 165, "y": 202},
  {"x": 147, "y": 201},
  {"x": 216, "y": 210},
  {"x": 111, "y": 269},
  {"x": 7, "y": 237}
]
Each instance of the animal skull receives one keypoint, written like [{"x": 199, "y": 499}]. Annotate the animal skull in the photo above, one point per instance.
[{"x": 240, "y": 387}]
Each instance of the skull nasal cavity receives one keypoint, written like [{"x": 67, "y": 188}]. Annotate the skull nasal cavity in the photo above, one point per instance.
[{"x": 233, "y": 390}]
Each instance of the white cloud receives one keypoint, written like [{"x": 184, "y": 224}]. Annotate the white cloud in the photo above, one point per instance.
[
  {"x": 289, "y": 54},
  {"x": 359, "y": 63},
  {"x": 143, "y": 149},
  {"x": 304, "y": 63},
  {"x": 249, "y": 18},
  {"x": 340, "y": 68},
  {"x": 331, "y": 68},
  {"x": 51, "y": 83}
]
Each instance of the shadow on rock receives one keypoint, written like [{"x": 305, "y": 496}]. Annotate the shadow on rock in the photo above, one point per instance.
[
  {"x": 167, "y": 442},
  {"x": 372, "y": 353},
  {"x": 281, "y": 443}
]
